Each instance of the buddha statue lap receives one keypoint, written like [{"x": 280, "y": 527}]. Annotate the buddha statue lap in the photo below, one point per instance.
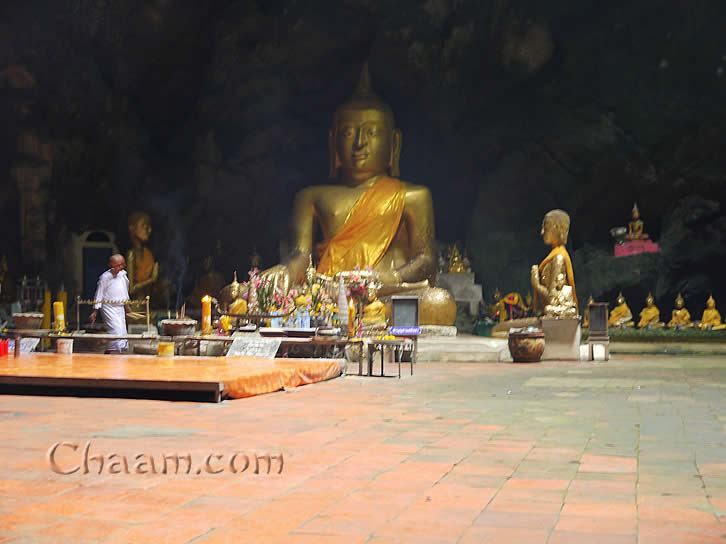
[
  {"x": 711, "y": 319},
  {"x": 561, "y": 303},
  {"x": 680, "y": 316},
  {"x": 370, "y": 218},
  {"x": 650, "y": 315},
  {"x": 636, "y": 227},
  {"x": 553, "y": 280},
  {"x": 621, "y": 316}
]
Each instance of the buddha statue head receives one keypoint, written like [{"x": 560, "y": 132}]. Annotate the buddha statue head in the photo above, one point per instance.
[
  {"x": 649, "y": 300},
  {"x": 497, "y": 295},
  {"x": 555, "y": 228},
  {"x": 711, "y": 302},
  {"x": 680, "y": 302},
  {"x": 139, "y": 228},
  {"x": 635, "y": 214},
  {"x": 620, "y": 299},
  {"x": 363, "y": 139}
]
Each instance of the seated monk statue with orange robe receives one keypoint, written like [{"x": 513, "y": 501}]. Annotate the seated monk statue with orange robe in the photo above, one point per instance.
[
  {"x": 142, "y": 268},
  {"x": 369, "y": 218}
]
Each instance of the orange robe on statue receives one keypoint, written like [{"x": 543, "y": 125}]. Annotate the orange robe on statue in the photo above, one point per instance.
[
  {"x": 369, "y": 229},
  {"x": 570, "y": 279}
]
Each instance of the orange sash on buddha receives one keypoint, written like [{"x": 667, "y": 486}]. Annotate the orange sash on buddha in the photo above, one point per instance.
[
  {"x": 368, "y": 231},
  {"x": 560, "y": 250}
]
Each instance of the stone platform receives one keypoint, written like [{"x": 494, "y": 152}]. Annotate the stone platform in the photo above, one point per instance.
[{"x": 464, "y": 348}]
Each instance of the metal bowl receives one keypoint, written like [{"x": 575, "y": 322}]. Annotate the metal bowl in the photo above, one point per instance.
[
  {"x": 618, "y": 233},
  {"x": 28, "y": 320},
  {"x": 178, "y": 327}
]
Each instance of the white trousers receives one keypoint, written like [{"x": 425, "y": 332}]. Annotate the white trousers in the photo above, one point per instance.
[{"x": 115, "y": 319}]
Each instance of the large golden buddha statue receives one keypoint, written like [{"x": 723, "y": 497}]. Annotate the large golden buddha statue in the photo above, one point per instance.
[
  {"x": 547, "y": 285},
  {"x": 369, "y": 218}
]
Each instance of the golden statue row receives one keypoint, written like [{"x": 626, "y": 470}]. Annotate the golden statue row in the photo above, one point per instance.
[{"x": 621, "y": 316}]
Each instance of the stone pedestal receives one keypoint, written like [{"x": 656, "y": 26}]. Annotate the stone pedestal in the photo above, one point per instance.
[
  {"x": 463, "y": 288},
  {"x": 562, "y": 339}
]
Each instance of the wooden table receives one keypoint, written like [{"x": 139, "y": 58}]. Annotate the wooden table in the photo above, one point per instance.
[{"x": 399, "y": 345}]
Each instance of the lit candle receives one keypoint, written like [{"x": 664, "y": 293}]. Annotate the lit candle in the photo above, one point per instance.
[
  {"x": 206, "y": 314},
  {"x": 59, "y": 317}
]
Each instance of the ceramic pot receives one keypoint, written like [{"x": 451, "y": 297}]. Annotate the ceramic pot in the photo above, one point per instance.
[{"x": 526, "y": 347}]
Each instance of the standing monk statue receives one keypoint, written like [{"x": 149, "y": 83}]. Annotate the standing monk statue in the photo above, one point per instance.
[{"x": 369, "y": 218}]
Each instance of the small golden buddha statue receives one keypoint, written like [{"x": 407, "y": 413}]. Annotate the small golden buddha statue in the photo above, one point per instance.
[
  {"x": 636, "y": 226},
  {"x": 456, "y": 263},
  {"x": 561, "y": 304},
  {"x": 374, "y": 313},
  {"x": 711, "y": 319},
  {"x": 650, "y": 315},
  {"x": 621, "y": 316},
  {"x": 141, "y": 267},
  {"x": 680, "y": 317},
  {"x": 545, "y": 276},
  {"x": 369, "y": 218},
  {"x": 586, "y": 313}
]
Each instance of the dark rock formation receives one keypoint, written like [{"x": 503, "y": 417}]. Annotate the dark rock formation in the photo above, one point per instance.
[{"x": 212, "y": 114}]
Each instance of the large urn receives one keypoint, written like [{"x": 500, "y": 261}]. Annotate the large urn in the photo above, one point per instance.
[{"x": 526, "y": 346}]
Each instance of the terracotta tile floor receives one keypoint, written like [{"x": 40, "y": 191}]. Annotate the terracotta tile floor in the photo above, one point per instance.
[{"x": 632, "y": 451}]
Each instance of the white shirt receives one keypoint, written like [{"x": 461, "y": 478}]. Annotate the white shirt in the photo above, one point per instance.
[{"x": 110, "y": 288}]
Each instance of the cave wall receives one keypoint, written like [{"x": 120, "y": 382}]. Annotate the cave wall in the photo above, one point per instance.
[{"x": 211, "y": 115}]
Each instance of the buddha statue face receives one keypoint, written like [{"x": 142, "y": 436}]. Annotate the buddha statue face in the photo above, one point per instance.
[
  {"x": 621, "y": 299},
  {"x": 363, "y": 139},
  {"x": 679, "y": 302},
  {"x": 555, "y": 228},
  {"x": 649, "y": 301},
  {"x": 139, "y": 227},
  {"x": 711, "y": 303}
]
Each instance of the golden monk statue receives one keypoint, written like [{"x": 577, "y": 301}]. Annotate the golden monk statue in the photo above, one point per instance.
[
  {"x": 650, "y": 315},
  {"x": 621, "y": 316},
  {"x": 545, "y": 276},
  {"x": 680, "y": 316},
  {"x": 636, "y": 226},
  {"x": 142, "y": 268},
  {"x": 369, "y": 218},
  {"x": 711, "y": 319}
]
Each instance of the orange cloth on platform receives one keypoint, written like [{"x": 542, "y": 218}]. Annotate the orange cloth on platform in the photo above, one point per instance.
[
  {"x": 242, "y": 376},
  {"x": 570, "y": 280},
  {"x": 368, "y": 230}
]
